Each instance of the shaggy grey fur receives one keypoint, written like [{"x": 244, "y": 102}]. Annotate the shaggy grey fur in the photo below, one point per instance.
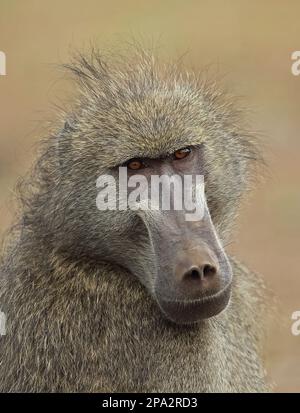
[{"x": 78, "y": 320}]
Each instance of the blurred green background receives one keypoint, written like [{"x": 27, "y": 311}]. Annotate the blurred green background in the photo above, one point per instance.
[{"x": 249, "y": 41}]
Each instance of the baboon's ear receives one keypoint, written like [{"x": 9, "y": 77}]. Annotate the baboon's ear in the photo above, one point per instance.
[{"x": 64, "y": 143}]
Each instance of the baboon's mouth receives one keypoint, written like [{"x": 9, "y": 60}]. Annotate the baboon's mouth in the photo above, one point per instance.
[{"x": 191, "y": 311}]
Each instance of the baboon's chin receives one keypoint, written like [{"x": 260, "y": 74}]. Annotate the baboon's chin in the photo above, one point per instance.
[{"x": 192, "y": 311}]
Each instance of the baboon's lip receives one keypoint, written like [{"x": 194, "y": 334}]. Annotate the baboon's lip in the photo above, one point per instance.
[{"x": 191, "y": 311}]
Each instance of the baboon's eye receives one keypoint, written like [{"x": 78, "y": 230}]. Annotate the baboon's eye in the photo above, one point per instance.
[
  {"x": 135, "y": 164},
  {"x": 182, "y": 153}
]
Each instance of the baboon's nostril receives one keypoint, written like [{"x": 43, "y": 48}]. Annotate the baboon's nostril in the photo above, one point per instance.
[
  {"x": 193, "y": 273},
  {"x": 209, "y": 270}
]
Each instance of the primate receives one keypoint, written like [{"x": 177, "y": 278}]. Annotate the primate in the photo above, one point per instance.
[{"x": 133, "y": 300}]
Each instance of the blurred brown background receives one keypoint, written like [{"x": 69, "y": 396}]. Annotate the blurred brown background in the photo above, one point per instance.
[{"x": 250, "y": 41}]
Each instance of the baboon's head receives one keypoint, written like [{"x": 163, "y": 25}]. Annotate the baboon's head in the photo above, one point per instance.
[{"x": 153, "y": 121}]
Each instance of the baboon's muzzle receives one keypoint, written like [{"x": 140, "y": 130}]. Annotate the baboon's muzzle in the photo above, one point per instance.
[{"x": 192, "y": 272}]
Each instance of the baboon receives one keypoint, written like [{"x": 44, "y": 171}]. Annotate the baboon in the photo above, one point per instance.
[{"x": 130, "y": 300}]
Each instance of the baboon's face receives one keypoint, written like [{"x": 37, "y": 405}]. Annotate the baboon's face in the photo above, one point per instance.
[
  {"x": 163, "y": 132},
  {"x": 187, "y": 270},
  {"x": 181, "y": 262}
]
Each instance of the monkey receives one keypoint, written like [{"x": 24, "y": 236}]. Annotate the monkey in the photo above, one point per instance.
[{"x": 133, "y": 300}]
